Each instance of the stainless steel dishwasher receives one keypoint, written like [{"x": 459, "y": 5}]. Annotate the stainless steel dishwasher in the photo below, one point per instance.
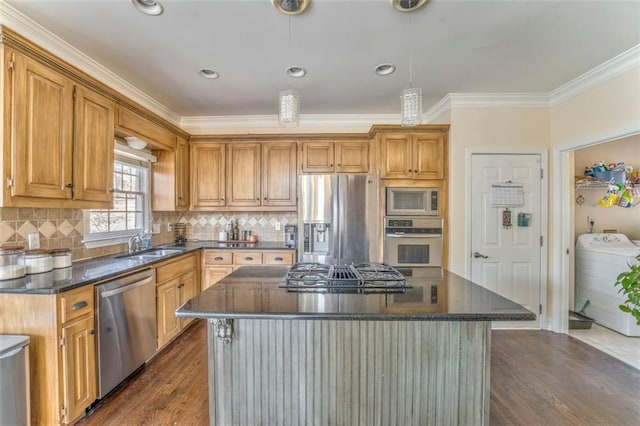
[{"x": 126, "y": 318}]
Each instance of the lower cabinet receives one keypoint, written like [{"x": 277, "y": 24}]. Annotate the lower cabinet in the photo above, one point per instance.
[
  {"x": 177, "y": 283},
  {"x": 218, "y": 263}
]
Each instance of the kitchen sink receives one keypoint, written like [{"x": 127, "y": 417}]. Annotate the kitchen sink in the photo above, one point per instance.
[{"x": 151, "y": 254}]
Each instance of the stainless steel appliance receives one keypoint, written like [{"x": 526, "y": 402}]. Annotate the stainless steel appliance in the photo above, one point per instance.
[
  {"x": 360, "y": 278},
  {"x": 14, "y": 380},
  {"x": 338, "y": 219},
  {"x": 412, "y": 241},
  {"x": 290, "y": 235},
  {"x": 412, "y": 201},
  {"x": 126, "y": 316}
]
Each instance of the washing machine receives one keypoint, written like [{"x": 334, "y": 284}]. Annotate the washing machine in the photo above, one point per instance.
[{"x": 600, "y": 258}]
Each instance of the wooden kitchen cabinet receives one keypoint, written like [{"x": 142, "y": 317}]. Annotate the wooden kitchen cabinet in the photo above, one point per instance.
[
  {"x": 251, "y": 300},
  {"x": 244, "y": 174},
  {"x": 170, "y": 179},
  {"x": 279, "y": 174},
  {"x": 413, "y": 155},
  {"x": 131, "y": 123},
  {"x": 351, "y": 156},
  {"x": 208, "y": 175},
  {"x": 213, "y": 274},
  {"x": 177, "y": 283},
  {"x": 59, "y": 139}
]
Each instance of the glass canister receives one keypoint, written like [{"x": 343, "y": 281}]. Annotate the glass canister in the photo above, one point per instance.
[
  {"x": 38, "y": 261},
  {"x": 61, "y": 258},
  {"x": 12, "y": 262}
]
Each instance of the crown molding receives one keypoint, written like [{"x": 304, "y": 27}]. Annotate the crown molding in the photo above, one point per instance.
[
  {"x": 39, "y": 35},
  {"x": 269, "y": 123},
  {"x": 626, "y": 61}
]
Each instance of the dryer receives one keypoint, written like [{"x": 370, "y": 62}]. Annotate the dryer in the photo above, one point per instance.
[{"x": 600, "y": 258}]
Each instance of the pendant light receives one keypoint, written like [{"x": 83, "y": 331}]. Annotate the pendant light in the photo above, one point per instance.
[
  {"x": 289, "y": 100},
  {"x": 411, "y": 98}
]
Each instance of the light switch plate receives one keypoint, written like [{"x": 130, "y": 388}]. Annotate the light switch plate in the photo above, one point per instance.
[{"x": 34, "y": 241}]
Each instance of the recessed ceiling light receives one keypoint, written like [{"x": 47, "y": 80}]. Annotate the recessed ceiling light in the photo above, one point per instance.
[
  {"x": 296, "y": 72},
  {"x": 207, "y": 73},
  {"x": 148, "y": 7},
  {"x": 290, "y": 7},
  {"x": 385, "y": 69},
  {"x": 407, "y": 5}
]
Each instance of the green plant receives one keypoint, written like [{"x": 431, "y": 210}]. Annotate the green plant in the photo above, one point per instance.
[{"x": 630, "y": 286}]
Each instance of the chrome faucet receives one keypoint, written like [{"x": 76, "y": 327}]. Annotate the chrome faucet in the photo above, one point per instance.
[{"x": 135, "y": 244}]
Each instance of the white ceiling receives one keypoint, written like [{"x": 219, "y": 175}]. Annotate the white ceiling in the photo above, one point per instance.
[{"x": 472, "y": 46}]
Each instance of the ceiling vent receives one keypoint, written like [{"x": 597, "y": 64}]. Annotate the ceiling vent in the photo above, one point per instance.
[
  {"x": 291, "y": 7},
  {"x": 408, "y": 5}
]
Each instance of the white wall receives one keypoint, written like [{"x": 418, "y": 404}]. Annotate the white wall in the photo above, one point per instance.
[{"x": 626, "y": 220}]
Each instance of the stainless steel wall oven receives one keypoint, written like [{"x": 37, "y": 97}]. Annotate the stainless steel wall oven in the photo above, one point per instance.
[{"x": 413, "y": 241}]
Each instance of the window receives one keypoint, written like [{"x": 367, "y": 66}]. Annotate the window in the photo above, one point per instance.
[{"x": 131, "y": 206}]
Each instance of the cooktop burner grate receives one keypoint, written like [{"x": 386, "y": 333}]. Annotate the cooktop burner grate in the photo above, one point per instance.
[{"x": 364, "y": 277}]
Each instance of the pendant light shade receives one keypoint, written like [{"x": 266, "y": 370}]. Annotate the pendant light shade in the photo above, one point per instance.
[
  {"x": 289, "y": 108},
  {"x": 411, "y": 111}
]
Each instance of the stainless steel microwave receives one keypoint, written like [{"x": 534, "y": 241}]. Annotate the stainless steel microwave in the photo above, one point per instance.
[{"x": 412, "y": 201}]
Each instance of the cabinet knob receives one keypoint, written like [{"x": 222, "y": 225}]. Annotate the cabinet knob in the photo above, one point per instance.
[
  {"x": 258, "y": 198},
  {"x": 68, "y": 185},
  {"x": 409, "y": 170},
  {"x": 331, "y": 165},
  {"x": 92, "y": 332},
  {"x": 222, "y": 198},
  {"x": 265, "y": 198},
  {"x": 339, "y": 165}
]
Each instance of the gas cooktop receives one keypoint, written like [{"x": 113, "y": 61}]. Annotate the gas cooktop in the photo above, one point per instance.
[{"x": 360, "y": 278}]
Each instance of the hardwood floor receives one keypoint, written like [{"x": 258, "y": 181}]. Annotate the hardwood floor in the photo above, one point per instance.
[{"x": 537, "y": 378}]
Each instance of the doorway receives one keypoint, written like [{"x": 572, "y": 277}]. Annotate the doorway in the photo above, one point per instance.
[{"x": 507, "y": 228}]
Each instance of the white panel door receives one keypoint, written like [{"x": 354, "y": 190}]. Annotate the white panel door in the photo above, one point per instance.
[{"x": 504, "y": 259}]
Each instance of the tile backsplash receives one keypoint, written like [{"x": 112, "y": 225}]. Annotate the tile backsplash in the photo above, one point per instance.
[{"x": 60, "y": 228}]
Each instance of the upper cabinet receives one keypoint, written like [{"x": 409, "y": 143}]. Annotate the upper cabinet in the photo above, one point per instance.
[
  {"x": 239, "y": 175},
  {"x": 133, "y": 124},
  {"x": 414, "y": 155},
  {"x": 170, "y": 178},
  {"x": 328, "y": 156},
  {"x": 56, "y": 132}
]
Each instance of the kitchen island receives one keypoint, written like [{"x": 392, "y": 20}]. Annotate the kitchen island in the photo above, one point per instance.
[{"x": 420, "y": 356}]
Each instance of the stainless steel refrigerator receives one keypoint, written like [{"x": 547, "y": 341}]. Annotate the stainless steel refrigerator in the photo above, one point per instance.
[{"x": 338, "y": 219}]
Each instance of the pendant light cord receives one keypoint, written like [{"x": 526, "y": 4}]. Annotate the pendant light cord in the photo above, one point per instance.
[{"x": 290, "y": 50}]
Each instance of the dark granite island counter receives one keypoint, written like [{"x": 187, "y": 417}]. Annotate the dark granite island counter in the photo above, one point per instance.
[{"x": 414, "y": 358}]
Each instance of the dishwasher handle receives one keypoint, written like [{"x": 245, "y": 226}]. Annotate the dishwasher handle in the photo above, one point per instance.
[{"x": 126, "y": 288}]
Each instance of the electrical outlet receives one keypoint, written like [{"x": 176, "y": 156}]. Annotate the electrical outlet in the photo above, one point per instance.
[
  {"x": 169, "y": 227},
  {"x": 34, "y": 241},
  {"x": 277, "y": 226}
]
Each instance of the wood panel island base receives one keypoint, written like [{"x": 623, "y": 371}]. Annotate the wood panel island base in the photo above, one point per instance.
[{"x": 348, "y": 359}]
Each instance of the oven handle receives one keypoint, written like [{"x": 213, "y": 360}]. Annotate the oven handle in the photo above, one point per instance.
[{"x": 414, "y": 235}]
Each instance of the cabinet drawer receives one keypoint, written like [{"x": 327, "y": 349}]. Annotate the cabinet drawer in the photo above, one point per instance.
[
  {"x": 175, "y": 268},
  {"x": 278, "y": 257},
  {"x": 214, "y": 257},
  {"x": 76, "y": 303},
  {"x": 247, "y": 258}
]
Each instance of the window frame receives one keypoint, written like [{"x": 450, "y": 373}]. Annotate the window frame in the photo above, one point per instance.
[{"x": 103, "y": 239}]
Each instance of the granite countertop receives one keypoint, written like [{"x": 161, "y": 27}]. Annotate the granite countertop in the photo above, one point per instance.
[
  {"x": 90, "y": 271},
  {"x": 438, "y": 295}
]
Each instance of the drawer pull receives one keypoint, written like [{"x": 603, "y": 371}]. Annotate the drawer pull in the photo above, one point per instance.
[
  {"x": 92, "y": 332},
  {"x": 280, "y": 259},
  {"x": 248, "y": 258},
  {"x": 79, "y": 305},
  {"x": 217, "y": 258}
]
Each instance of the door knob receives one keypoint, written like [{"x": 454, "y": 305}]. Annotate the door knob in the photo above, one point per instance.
[{"x": 477, "y": 255}]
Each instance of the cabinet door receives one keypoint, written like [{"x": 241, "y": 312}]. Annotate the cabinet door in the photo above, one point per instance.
[
  {"x": 396, "y": 156},
  {"x": 207, "y": 175},
  {"x": 317, "y": 157},
  {"x": 182, "y": 174},
  {"x": 187, "y": 292},
  {"x": 429, "y": 156},
  {"x": 78, "y": 367},
  {"x": 93, "y": 149},
  {"x": 168, "y": 300},
  {"x": 244, "y": 297},
  {"x": 213, "y": 274},
  {"x": 352, "y": 157},
  {"x": 279, "y": 182},
  {"x": 42, "y": 127},
  {"x": 243, "y": 174}
]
